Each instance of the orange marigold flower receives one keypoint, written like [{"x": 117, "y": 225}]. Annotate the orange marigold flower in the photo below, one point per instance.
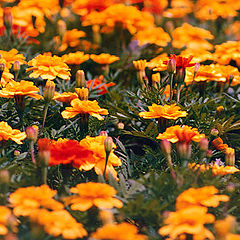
[
  {"x": 64, "y": 151},
  {"x": 96, "y": 144},
  {"x": 181, "y": 134},
  {"x": 167, "y": 111},
  {"x": 59, "y": 222},
  {"x": 191, "y": 37},
  {"x": 84, "y": 107},
  {"x": 121, "y": 231},
  {"x": 199, "y": 55},
  {"x": 224, "y": 226},
  {"x": 128, "y": 17},
  {"x": 65, "y": 97},
  {"x": 5, "y": 213},
  {"x": 91, "y": 194},
  {"x": 155, "y": 35},
  {"x": 11, "y": 56},
  {"x": 104, "y": 58},
  {"x": 226, "y": 52},
  {"x": 71, "y": 39},
  {"x": 205, "y": 196},
  {"x": 22, "y": 88},
  {"x": 179, "y": 8},
  {"x": 218, "y": 144},
  {"x": 157, "y": 62},
  {"x": 75, "y": 58},
  {"x": 6, "y": 133},
  {"x": 190, "y": 221},
  {"x": 98, "y": 86},
  {"x": 48, "y": 67},
  {"x": 26, "y": 200},
  {"x": 211, "y": 10},
  {"x": 223, "y": 170}
]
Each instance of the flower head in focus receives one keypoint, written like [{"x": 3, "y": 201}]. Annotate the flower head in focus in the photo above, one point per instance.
[
  {"x": 75, "y": 58},
  {"x": 48, "y": 67},
  {"x": 104, "y": 58}
]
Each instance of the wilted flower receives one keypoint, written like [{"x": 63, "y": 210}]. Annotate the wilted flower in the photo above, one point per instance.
[
  {"x": 48, "y": 67},
  {"x": 91, "y": 194}
]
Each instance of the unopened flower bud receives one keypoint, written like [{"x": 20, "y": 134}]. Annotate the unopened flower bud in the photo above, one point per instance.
[
  {"x": 171, "y": 67},
  {"x": 2, "y": 67},
  {"x": 140, "y": 65},
  {"x": 32, "y": 133},
  {"x": 166, "y": 147},
  {"x": 230, "y": 156},
  {"x": 184, "y": 149},
  {"x": 49, "y": 90},
  {"x": 230, "y": 187},
  {"x": 62, "y": 27},
  {"x": 196, "y": 68},
  {"x": 209, "y": 153},
  {"x": 82, "y": 93},
  {"x": 120, "y": 125},
  {"x": 108, "y": 144},
  {"x": 16, "y": 153},
  {"x": 180, "y": 75},
  {"x": 16, "y": 66},
  {"x": 44, "y": 150},
  {"x": 80, "y": 79},
  {"x": 7, "y": 18},
  {"x": 214, "y": 132},
  {"x": 203, "y": 144},
  {"x": 103, "y": 133},
  {"x": 4, "y": 176},
  {"x": 220, "y": 109}
]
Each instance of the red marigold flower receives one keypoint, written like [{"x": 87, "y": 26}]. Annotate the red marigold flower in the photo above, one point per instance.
[
  {"x": 43, "y": 144},
  {"x": 181, "y": 62}
]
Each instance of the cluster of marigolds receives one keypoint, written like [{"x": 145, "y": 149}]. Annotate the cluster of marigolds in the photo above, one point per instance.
[{"x": 199, "y": 63}]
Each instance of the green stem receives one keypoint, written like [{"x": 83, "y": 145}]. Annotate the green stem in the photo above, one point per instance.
[
  {"x": 44, "y": 174},
  {"x": 171, "y": 87},
  {"x": 170, "y": 164},
  {"x": 32, "y": 152},
  {"x": 45, "y": 114}
]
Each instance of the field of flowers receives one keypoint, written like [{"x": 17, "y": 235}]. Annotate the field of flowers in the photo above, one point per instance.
[{"x": 120, "y": 119}]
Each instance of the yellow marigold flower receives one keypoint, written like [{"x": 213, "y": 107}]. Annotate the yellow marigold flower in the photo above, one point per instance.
[
  {"x": 190, "y": 221},
  {"x": 167, "y": 111},
  {"x": 211, "y": 10},
  {"x": 48, "y": 67},
  {"x": 22, "y": 88},
  {"x": 96, "y": 145},
  {"x": 6, "y": 75},
  {"x": 5, "y": 213},
  {"x": 91, "y": 194},
  {"x": 71, "y": 39},
  {"x": 179, "y": 8},
  {"x": 75, "y": 58},
  {"x": 11, "y": 56},
  {"x": 6, "y": 133},
  {"x": 104, "y": 58},
  {"x": 65, "y": 97},
  {"x": 121, "y": 231},
  {"x": 181, "y": 134},
  {"x": 59, "y": 223},
  {"x": 86, "y": 107},
  {"x": 226, "y": 52},
  {"x": 205, "y": 196},
  {"x": 191, "y": 37},
  {"x": 155, "y": 35},
  {"x": 157, "y": 62},
  {"x": 129, "y": 17},
  {"x": 199, "y": 55},
  {"x": 26, "y": 200},
  {"x": 225, "y": 226}
]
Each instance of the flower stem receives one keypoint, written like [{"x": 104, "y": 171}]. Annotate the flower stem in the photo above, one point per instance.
[
  {"x": 106, "y": 162},
  {"x": 32, "y": 152},
  {"x": 45, "y": 114},
  {"x": 171, "y": 86}
]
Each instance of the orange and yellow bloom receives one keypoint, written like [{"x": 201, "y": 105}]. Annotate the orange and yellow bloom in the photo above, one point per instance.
[{"x": 91, "y": 194}]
